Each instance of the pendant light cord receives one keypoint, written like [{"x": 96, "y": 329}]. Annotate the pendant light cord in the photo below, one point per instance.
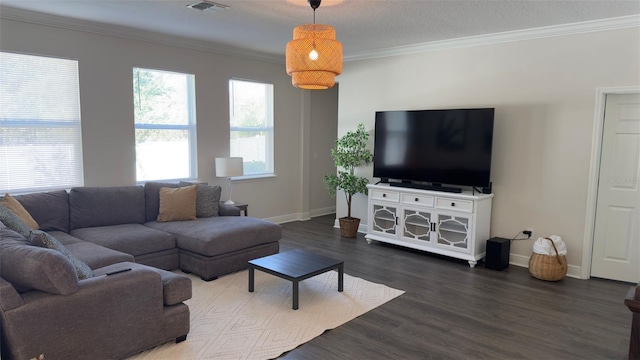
[{"x": 314, "y": 5}]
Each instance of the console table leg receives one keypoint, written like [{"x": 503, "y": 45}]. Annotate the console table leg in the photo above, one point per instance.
[
  {"x": 341, "y": 277},
  {"x": 472, "y": 263},
  {"x": 295, "y": 295},
  {"x": 251, "y": 278}
]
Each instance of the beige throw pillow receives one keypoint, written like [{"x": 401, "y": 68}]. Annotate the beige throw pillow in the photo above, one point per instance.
[
  {"x": 18, "y": 210},
  {"x": 177, "y": 204}
]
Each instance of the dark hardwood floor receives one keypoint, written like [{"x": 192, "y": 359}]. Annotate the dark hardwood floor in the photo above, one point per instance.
[{"x": 450, "y": 311}]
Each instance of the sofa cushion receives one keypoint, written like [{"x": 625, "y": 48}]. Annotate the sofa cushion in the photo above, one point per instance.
[
  {"x": 49, "y": 209},
  {"x": 64, "y": 238},
  {"x": 207, "y": 199},
  {"x": 10, "y": 231},
  {"x": 221, "y": 234},
  {"x": 228, "y": 209},
  {"x": 176, "y": 288},
  {"x": 152, "y": 198},
  {"x": 13, "y": 222},
  {"x": 97, "y": 256},
  {"x": 19, "y": 210},
  {"x": 30, "y": 267},
  {"x": 42, "y": 239},
  {"x": 177, "y": 204},
  {"x": 10, "y": 298},
  {"x": 104, "y": 206},
  {"x": 134, "y": 239}
]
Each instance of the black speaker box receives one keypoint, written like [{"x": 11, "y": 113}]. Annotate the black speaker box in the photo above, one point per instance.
[{"x": 497, "y": 256}]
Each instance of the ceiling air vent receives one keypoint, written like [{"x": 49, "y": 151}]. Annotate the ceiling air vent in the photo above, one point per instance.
[{"x": 208, "y": 5}]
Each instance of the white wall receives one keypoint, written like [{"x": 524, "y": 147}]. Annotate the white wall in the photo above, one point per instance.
[
  {"x": 105, "y": 66},
  {"x": 544, "y": 94}
]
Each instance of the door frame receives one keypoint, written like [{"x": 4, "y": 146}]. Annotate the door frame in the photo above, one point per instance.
[{"x": 594, "y": 172}]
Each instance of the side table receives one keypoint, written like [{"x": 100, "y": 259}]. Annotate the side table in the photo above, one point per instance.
[{"x": 243, "y": 207}]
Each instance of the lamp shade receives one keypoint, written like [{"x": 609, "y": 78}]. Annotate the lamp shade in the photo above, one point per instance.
[
  {"x": 314, "y": 57},
  {"x": 229, "y": 166}
]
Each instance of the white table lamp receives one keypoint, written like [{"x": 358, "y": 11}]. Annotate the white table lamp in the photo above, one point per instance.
[{"x": 229, "y": 167}]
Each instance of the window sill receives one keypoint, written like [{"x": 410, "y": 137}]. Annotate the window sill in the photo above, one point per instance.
[{"x": 253, "y": 177}]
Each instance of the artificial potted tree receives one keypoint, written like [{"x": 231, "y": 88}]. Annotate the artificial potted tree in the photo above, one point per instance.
[{"x": 349, "y": 153}]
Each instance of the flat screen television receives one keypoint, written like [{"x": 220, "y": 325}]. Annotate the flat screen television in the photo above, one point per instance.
[{"x": 434, "y": 146}]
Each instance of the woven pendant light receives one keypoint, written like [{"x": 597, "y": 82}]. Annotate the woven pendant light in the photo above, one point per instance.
[{"x": 314, "y": 56}]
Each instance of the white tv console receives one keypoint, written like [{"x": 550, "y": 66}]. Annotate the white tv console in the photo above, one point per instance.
[{"x": 451, "y": 224}]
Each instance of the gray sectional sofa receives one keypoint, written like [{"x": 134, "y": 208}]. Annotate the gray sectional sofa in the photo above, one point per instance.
[
  {"x": 112, "y": 229},
  {"x": 123, "y": 219}
]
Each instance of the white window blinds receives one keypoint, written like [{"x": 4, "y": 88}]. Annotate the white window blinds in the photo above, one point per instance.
[{"x": 40, "y": 138}]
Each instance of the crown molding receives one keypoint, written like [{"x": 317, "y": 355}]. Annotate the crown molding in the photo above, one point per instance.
[
  {"x": 62, "y": 22},
  {"x": 509, "y": 36},
  {"x": 11, "y": 13}
]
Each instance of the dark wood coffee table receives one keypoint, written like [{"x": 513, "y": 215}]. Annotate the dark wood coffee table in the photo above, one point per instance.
[{"x": 295, "y": 266}]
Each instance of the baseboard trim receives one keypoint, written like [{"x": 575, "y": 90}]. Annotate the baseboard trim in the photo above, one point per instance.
[
  {"x": 519, "y": 260},
  {"x": 323, "y": 211},
  {"x": 302, "y": 216},
  {"x": 288, "y": 218},
  {"x": 523, "y": 261}
]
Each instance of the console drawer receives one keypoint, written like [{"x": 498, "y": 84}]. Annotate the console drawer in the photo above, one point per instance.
[
  {"x": 454, "y": 204},
  {"x": 385, "y": 195},
  {"x": 415, "y": 199}
]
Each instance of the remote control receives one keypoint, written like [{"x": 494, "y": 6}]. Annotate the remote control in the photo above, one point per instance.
[{"x": 117, "y": 272}]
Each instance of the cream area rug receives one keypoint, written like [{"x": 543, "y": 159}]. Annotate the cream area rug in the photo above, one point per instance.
[{"x": 228, "y": 322}]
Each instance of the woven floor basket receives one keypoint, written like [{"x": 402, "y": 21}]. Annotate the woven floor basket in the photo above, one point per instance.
[
  {"x": 548, "y": 267},
  {"x": 349, "y": 227}
]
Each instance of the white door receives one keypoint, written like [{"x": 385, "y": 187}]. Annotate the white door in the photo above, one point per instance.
[{"x": 616, "y": 242}]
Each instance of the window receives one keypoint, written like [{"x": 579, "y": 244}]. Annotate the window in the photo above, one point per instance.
[
  {"x": 251, "y": 125},
  {"x": 40, "y": 138},
  {"x": 165, "y": 123}
]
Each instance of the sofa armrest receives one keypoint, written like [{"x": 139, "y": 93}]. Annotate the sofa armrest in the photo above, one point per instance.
[
  {"x": 176, "y": 288},
  {"x": 9, "y": 296},
  {"x": 110, "y": 316},
  {"x": 228, "y": 210}
]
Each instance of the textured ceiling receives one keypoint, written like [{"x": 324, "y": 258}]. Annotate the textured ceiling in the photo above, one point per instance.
[{"x": 265, "y": 26}]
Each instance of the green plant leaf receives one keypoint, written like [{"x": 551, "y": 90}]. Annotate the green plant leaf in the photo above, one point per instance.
[{"x": 349, "y": 152}]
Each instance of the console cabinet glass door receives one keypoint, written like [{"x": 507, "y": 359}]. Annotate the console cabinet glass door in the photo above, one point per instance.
[
  {"x": 454, "y": 232},
  {"x": 416, "y": 224},
  {"x": 384, "y": 218}
]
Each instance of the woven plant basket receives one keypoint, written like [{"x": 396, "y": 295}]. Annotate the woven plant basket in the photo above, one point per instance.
[
  {"x": 548, "y": 267},
  {"x": 349, "y": 227}
]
